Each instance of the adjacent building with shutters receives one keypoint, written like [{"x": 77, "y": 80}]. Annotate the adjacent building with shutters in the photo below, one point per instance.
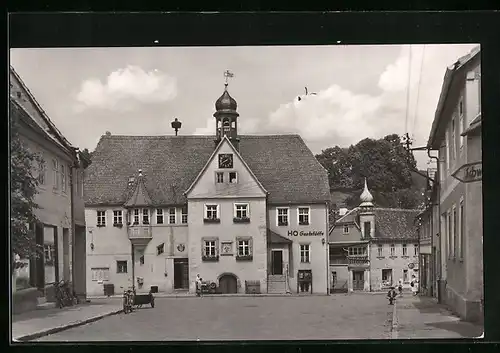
[
  {"x": 373, "y": 248},
  {"x": 454, "y": 212},
  {"x": 61, "y": 227},
  {"x": 249, "y": 213}
]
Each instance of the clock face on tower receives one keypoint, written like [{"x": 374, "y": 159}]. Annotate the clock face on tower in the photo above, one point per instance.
[{"x": 225, "y": 160}]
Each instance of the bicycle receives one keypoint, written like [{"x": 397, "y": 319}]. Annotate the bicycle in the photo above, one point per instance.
[
  {"x": 70, "y": 294},
  {"x": 58, "y": 295}
]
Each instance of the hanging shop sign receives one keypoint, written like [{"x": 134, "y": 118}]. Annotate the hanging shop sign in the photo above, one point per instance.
[
  {"x": 469, "y": 172},
  {"x": 313, "y": 233},
  {"x": 411, "y": 265}
]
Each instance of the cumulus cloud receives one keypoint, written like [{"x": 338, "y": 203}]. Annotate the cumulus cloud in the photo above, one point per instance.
[
  {"x": 126, "y": 87},
  {"x": 337, "y": 116}
]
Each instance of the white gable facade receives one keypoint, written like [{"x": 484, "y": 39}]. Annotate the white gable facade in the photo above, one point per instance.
[{"x": 227, "y": 228}]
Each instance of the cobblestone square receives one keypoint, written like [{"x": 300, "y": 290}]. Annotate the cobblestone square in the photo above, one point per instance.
[{"x": 355, "y": 316}]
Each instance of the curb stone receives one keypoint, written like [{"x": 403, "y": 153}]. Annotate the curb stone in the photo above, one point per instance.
[
  {"x": 57, "y": 329},
  {"x": 222, "y": 295}
]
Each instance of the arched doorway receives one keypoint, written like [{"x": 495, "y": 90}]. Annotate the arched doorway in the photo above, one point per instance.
[{"x": 228, "y": 283}]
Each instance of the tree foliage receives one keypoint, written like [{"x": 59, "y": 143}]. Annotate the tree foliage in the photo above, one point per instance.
[
  {"x": 85, "y": 157},
  {"x": 386, "y": 165},
  {"x": 24, "y": 164}
]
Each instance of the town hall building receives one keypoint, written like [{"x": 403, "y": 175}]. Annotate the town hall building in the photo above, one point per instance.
[{"x": 249, "y": 213}]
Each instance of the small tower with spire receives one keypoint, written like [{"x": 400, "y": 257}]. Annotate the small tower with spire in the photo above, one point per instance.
[
  {"x": 366, "y": 214},
  {"x": 226, "y": 116}
]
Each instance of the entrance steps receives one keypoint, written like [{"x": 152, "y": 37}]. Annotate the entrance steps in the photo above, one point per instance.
[{"x": 276, "y": 284}]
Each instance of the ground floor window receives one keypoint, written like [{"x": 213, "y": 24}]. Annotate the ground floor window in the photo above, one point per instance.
[
  {"x": 100, "y": 274},
  {"x": 387, "y": 277},
  {"x": 49, "y": 251},
  {"x": 121, "y": 266},
  {"x": 304, "y": 282}
]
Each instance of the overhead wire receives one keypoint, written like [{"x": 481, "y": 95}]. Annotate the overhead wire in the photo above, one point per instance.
[
  {"x": 418, "y": 90},
  {"x": 408, "y": 91}
]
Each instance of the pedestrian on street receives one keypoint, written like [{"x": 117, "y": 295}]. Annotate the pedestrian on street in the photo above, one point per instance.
[
  {"x": 391, "y": 295},
  {"x": 414, "y": 285},
  {"x": 198, "y": 285},
  {"x": 400, "y": 288}
]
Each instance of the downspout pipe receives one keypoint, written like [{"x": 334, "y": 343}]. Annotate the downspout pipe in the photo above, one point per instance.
[
  {"x": 327, "y": 245},
  {"x": 74, "y": 167},
  {"x": 437, "y": 181}
]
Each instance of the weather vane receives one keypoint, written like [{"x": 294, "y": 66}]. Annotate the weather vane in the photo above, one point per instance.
[{"x": 228, "y": 74}]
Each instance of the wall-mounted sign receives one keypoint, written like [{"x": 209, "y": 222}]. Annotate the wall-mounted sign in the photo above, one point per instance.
[
  {"x": 411, "y": 265},
  {"x": 314, "y": 233},
  {"x": 181, "y": 247},
  {"x": 226, "y": 248},
  {"x": 469, "y": 172}
]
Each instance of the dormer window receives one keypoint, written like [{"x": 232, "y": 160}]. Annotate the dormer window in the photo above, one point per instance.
[
  {"x": 233, "y": 177},
  {"x": 346, "y": 229}
]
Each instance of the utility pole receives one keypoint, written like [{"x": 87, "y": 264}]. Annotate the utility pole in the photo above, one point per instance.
[{"x": 407, "y": 141}]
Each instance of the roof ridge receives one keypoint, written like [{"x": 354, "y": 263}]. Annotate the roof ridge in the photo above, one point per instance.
[
  {"x": 396, "y": 209},
  {"x": 42, "y": 112},
  {"x": 194, "y": 136}
]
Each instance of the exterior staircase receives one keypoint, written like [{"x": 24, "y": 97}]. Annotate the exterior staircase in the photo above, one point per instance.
[{"x": 276, "y": 284}]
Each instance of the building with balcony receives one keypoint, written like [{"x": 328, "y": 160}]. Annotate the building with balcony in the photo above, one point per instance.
[
  {"x": 373, "y": 248},
  {"x": 61, "y": 230},
  {"x": 238, "y": 210},
  {"x": 456, "y": 135}
]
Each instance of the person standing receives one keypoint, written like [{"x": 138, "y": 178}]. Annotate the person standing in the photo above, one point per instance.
[
  {"x": 198, "y": 285},
  {"x": 414, "y": 285},
  {"x": 391, "y": 295},
  {"x": 400, "y": 288}
]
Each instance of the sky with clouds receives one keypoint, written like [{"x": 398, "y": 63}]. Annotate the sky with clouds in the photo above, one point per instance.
[{"x": 361, "y": 91}]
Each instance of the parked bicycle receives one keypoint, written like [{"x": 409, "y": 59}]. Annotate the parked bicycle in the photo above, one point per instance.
[{"x": 64, "y": 295}]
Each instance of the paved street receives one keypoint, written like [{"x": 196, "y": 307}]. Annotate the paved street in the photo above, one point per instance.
[
  {"x": 421, "y": 317},
  {"x": 356, "y": 316}
]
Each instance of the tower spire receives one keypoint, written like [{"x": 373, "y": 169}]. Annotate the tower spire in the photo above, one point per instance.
[
  {"x": 227, "y": 74},
  {"x": 366, "y": 197}
]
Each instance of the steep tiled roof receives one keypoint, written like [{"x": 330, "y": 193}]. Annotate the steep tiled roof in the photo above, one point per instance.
[
  {"x": 282, "y": 163},
  {"x": 392, "y": 223},
  {"x": 52, "y": 130}
]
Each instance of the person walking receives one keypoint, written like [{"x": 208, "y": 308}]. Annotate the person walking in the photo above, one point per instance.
[
  {"x": 400, "y": 288},
  {"x": 198, "y": 285},
  {"x": 414, "y": 285}
]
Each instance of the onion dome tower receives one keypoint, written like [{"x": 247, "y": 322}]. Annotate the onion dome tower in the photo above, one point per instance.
[
  {"x": 226, "y": 116},
  {"x": 366, "y": 197},
  {"x": 366, "y": 214}
]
